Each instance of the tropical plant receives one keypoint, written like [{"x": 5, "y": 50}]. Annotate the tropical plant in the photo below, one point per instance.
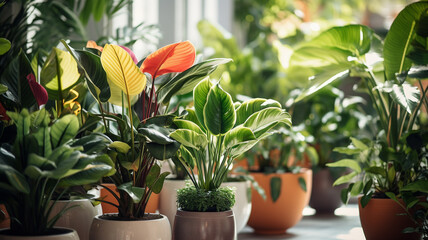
[
  {"x": 136, "y": 117},
  {"x": 216, "y": 131},
  {"x": 44, "y": 158},
  {"x": 390, "y": 165}
]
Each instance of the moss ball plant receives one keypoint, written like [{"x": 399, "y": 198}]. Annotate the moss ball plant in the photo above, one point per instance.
[{"x": 198, "y": 200}]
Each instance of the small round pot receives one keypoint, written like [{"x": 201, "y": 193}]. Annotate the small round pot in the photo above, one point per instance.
[
  {"x": 385, "y": 219},
  {"x": 325, "y": 198},
  {"x": 154, "y": 229},
  {"x": 269, "y": 217},
  {"x": 60, "y": 234},
  {"x": 204, "y": 225},
  {"x": 242, "y": 207},
  {"x": 79, "y": 216},
  {"x": 152, "y": 204},
  {"x": 168, "y": 198}
]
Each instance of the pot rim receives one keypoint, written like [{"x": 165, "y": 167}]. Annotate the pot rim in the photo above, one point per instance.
[
  {"x": 66, "y": 231},
  {"x": 97, "y": 217}
]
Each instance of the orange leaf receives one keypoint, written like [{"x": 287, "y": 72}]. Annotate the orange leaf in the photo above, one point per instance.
[
  {"x": 176, "y": 57},
  {"x": 93, "y": 44}
]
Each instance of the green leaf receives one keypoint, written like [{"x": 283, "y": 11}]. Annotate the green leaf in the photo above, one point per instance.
[
  {"x": 249, "y": 107},
  {"x": 120, "y": 146},
  {"x": 359, "y": 144},
  {"x": 275, "y": 188},
  {"x": 153, "y": 174},
  {"x": 406, "y": 95},
  {"x": 59, "y": 74},
  {"x": 417, "y": 186},
  {"x": 186, "y": 124},
  {"x": 350, "y": 163},
  {"x": 241, "y": 148},
  {"x": 157, "y": 186},
  {"x": 64, "y": 129},
  {"x": 3, "y": 88},
  {"x": 365, "y": 199},
  {"x": 185, "y": 81},
  {"x": 163, "y": 151},
  {"x": 90, "y": 174},
  {"x": 302, "y": 183},
  {"x": 200, "y": 94},
  {"x": 156, "y": 134},
  {"x": 263, "y": 120},
  {"x": 367, "y": 186},
  {"x": 4, "y": 46},
  {"x": 190, "y": 138},
  {"x": 219, "y": 112},
  {"x": 392, "y": 196},
  {"x": 344, "y": 195},
  {"x": 16, "y": 179},
  {"x": 376, "y": 170},
  {"x": 357, "y": 188},
  {"x": 238, "y": 135},
  {"x": 186, "y": 157},
  {"x": 136, "y": 193},
  {"x": 399, "y": 37},
  {"x": 345, "y": 179}
]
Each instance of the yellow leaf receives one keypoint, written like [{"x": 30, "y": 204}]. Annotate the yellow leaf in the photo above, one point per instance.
[{"x": 121, "y": 70}]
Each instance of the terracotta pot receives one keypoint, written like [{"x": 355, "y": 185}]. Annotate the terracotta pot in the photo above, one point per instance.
[
  {"x": 204, "y": 225},
  {"x": 62, "y": 234},
  {"x": 154, "y": 229},
  {"x": 384, "y": 219},
  {"x": 242, "y": 208},
  {"x": 6, "y": 222},
  {"x": 324, "y": 197},
  {"x": 152, "y": 204},
  {"x": 268, "y": 217},
  {"x": 79, "y": 217},
  {"x": 168, "y": 198}
]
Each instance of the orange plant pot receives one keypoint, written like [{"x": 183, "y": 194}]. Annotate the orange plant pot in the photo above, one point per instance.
[
  {"x": 385, "y": 219},
  {"x": 268, "y": 217},
  {"x": 152, "y": 205},
  {"x": 6, "y": 222}
]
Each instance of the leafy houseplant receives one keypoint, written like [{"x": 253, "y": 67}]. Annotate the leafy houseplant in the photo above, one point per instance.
[
  {"x": 45, "y": 157},
  {"x": 390, "y": 165}
]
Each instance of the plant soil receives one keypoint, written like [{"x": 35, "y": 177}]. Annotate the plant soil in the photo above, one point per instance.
[{"x": 115, "y": 217}]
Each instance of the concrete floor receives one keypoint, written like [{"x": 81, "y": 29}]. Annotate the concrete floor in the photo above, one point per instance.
[{"x": 344, "y": 225}]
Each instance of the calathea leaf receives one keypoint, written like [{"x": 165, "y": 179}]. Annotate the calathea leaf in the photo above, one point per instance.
[
  {"x": 249, "y": 107},
  {"x": 200, "y": 94},
  {"x": 64, "y": 129},
  {"x": 163, "y": 151},
  {"x": 136, "y": 193},
  {"x": 190, "y": 138}
]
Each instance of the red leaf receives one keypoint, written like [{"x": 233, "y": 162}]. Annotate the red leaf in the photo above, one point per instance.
[
  {"x": 176, "y": 57},
  {"x": 131, "y": 53},
  {"x": 3, "y": 115},
  {"x": 38, "y": 90}
]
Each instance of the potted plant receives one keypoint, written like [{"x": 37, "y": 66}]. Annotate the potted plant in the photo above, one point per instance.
[
  {"x": 136, "y": 119},
  {"x": 212, "y": 134},
  {"x": 45, "y": 157},
  {"x": 276, "y": 166},
  {"x": 391, "y": 167}
]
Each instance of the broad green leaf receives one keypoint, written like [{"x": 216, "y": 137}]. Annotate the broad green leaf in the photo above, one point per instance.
[
  {"x": 350, "y": 163},
  {"x": 136, "y": 193},
  {"x": 15, "y": 178},
  {"x": 263, "y": 120},
  {"x": 376, "y": 170},
  {"x": 344, "y": 195},
  {"x": 153, "y": 174},
  {"x": 368, "y": 186},
  {"x": 357, "y": 188},
  {"x": 64, "y": 129},
  {"x": 156, "y": 134},
  {"x": 4, "y": 46},
  {"x": 245, "y": 146},
  {"x": 3, "y": 88},
  {"x": 316, "y": 57},
  {"x": 275, "y": 188},
  {"x": 399, "y": 38},
  {"x": 347, "y": 150},
  {"x": 190, "y": 138},
  {"x": 158, "y": 184},
  {"x": 418, "y": 186},
  {"x": 392, "y": 196},
  {"x": 163, "y": 151},
  {"x": 186, "y": 157},
  {"x": 93, "y": 72},
  {"x": 219, "y": 112},
  {"x": 185, "y": 82},
  {"x": 90, "y": 174},
  {"x": 359, "y": 144},
  {"x": 345, "y": 178},
  {"x": 200, "y": 94},
  {"x": 59, "y": 74},
  {"x": 120, "y": 146},
  {"x": 391, "y": 174},
  {"x": 186, "y": 124},
  {"x": 406, "y": 95},
  {"x": 236, "y": 136},
  {"x": 122, "y": 73},
  {"x": 365, "y": 199},
  {"x": 249, "y": 107}
]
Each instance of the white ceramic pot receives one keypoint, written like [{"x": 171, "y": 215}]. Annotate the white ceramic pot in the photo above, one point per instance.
[
  {"x": 78, "y": 217},
  {"x": 63, "y": 234},
  {"x": 155, "y": 229},
  {"x": 242, "y": 207},
  {"x": 168, "y": 198}
]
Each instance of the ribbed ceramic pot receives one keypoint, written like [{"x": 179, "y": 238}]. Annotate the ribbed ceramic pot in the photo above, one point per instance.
[
  {"x": 79, "y": 216},
  {"x": 168, "y": 198},
  {"x": 325, "y": 198},
  {"x": 242, "y": 207},
  {"x": 154, "y": 229},
  {"x": 275, "y": 217},
  {"x": 62, "y": 234},
  {"x": 204, "y": 225},
  {"x": 385, "y": 219}
]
